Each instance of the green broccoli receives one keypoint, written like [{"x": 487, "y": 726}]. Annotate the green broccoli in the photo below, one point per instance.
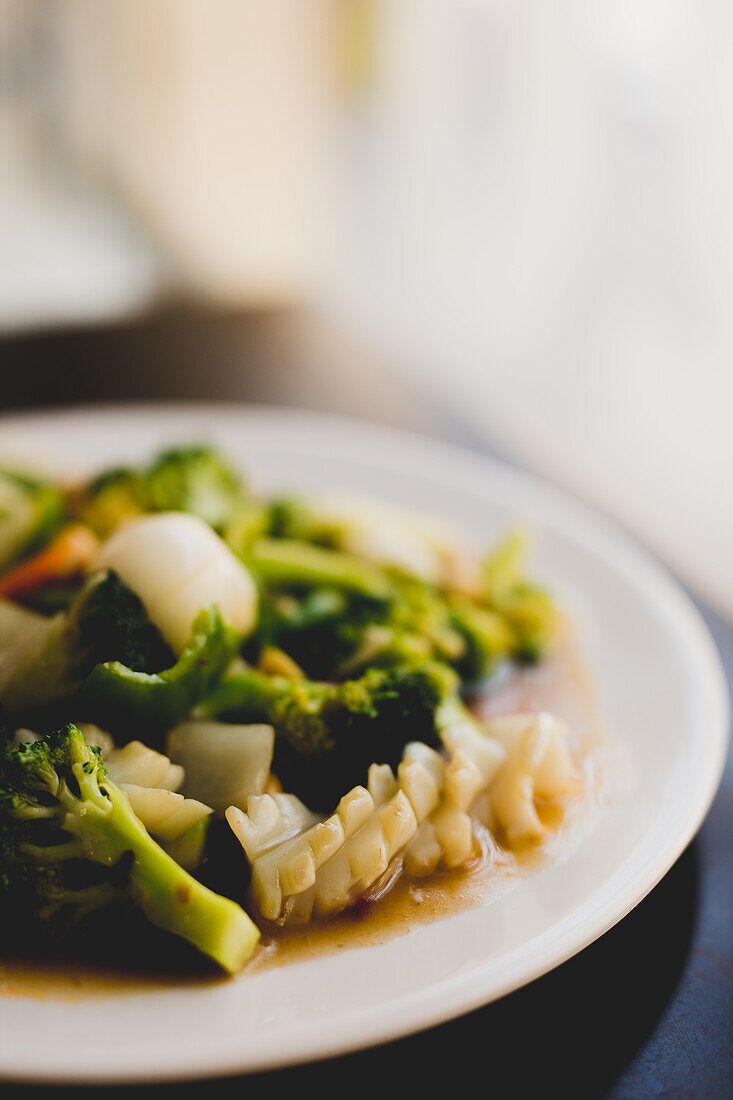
[
  {"x": 487, "y": 639},
  {"x": 110, "y": 498},
  {"x": 30, "y": 510},
  {"x": 108, "y": 660},
  {"x": 70, "y": 843},
  {"x": 328, "y": 734},
  {"x": 194, "y": 479},
  {"x": 292, "y": 518},
  {"x": 321, "y": 629},
  {"x": 108, "y": 621},
  {"x": 290, "y": 562},
  {"x": 527, "y": 608},
  {"x": 332, "y": 633},
  {"x": 116, "y": 696},
  {"x": 335, "y": 613},
  {"x": 105, "y": 621}
]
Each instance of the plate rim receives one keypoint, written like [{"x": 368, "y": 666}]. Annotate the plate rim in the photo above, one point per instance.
[{"x": 353, "y": 1033}]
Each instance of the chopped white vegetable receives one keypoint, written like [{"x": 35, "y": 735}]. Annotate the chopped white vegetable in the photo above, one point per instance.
[
  {"x": 165, "y": 814},
  {"x": 18, "y": 511},
  {"x": 178, "y": 566},
  {"x": 24, "y": 635},
  {"x": 224, "y": 764},
  {"x": 151, "y": 783},
  {"x": 138, "y": 764}
]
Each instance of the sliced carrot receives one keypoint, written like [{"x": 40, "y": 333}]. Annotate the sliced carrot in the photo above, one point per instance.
[{"x": 69, "y": 553}]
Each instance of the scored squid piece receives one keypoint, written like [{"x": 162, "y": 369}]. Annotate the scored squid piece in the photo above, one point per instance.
[
  {"x": 538, "y": 766},
  {"x": 327, "y": 864},
  {"x": 447, "y": 837},
  {"x": 304, "y": 866},
  {"x": 270, "y": 820},
  {"x": 286, "y": 846},
  {"x": 400, "y": 803},
  {"x": 363, "y": 860}
]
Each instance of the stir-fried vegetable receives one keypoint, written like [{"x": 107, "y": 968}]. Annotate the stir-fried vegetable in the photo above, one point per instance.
[
  {"x": 329, "y": 734},
  {"x": 195, "y": 479},
  {"x": 277, "y": 650},
  {"x": 70, "y": 843},
  {"x": 177, "y": 565},
  {"x": 67, "y": 556},
  {"x": 43, "y": 660},
  {"x": 30, "y": 510},
  {"x": 116, "y": 694}
]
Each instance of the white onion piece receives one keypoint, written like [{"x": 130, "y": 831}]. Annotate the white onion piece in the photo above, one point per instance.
[
  {"x": 165, "y": 814},
  {"x": 178, "y": 566},
  {"x": 136, "y": 763},
  {"x": 224, "y": 764}
]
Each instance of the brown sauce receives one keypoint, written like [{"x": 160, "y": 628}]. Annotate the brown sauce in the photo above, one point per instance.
[{"x": 560, "y": 685}]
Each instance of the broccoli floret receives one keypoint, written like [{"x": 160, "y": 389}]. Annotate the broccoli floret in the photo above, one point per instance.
[
  {"x": 109, "y": 622},
  {"x": 328, "y": 734},
  {"x": 116, "y": 696},
  {"x": 30, "y": 510},
  {"x": 527, "y": 608},
  {"x": 105, "y": 621},
  {"x": 70, "y": 843},
  {"x": 336, "y": 614},
  {"x": 332, "y": 634},
  {"x": 487, "y": 639},
  {"x": 110, "y": 498},
  {"x": 321, "y": 629},
  {"x": 193, "y": 479}
]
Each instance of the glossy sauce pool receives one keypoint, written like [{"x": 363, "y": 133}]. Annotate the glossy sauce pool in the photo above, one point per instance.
[{"x": 560, "y": 685}]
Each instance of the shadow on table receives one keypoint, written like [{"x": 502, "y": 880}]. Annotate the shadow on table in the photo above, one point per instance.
[{"x": 574, "y": 1030}]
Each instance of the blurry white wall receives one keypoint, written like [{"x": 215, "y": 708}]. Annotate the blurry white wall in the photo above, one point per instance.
[
  {"x": 525, "y": 204},
  {"x": 157, "y": 146},
  {"x": 208, "y": 119},
  {"x": 539, "y": 195}
]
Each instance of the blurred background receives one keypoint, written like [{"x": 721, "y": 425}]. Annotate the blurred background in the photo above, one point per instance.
[{"x": 506, "y": 222}]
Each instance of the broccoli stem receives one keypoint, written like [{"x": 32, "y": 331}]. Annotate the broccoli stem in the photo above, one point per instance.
[
  {"x": 250, "y": 692},
  {"x": 178, "y": 903},
  {"x": 114, "y": 694},
  {"x": 105, "y": 824},
  {"x": 328, "y": 734},
  {"x": 288, "y": 561}
]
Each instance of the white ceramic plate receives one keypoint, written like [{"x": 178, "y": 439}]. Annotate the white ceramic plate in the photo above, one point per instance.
[{"x": 663, "y": 693}]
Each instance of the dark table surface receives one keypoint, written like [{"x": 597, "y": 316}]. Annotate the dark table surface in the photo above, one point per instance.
[{"x": 645, "y": 1011}]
